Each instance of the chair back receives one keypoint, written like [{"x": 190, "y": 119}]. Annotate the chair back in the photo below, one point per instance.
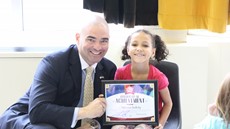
[{"x": 171, "y": 71}]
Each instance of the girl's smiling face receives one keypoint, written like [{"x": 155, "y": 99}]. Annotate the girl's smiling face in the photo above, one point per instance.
[{"x": 140, "y": 48}]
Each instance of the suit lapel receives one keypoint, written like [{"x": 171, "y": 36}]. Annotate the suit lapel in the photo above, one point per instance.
[
  {"x": 97, "y": 80},
  {"x": 76, "y": 73}
]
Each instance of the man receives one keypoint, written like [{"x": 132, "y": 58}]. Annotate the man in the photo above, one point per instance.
[{"x": 55, "y": 98}]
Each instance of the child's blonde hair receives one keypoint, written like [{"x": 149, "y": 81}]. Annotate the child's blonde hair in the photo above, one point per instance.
[{"x": 223, "y": 99}]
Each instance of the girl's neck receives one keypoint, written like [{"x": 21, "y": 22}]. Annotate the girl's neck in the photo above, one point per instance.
[{"x": 140, "y": 71}]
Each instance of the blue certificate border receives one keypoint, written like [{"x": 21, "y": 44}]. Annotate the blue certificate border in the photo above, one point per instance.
[{"x": 119, "y": 85}]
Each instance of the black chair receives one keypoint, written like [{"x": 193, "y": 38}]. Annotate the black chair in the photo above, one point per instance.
[{"x": 171, "y": 70}]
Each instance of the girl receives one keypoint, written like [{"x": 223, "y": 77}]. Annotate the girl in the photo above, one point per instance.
[
  {"x": 219, "y": 112},
  {"x": 140, "y": 47}
]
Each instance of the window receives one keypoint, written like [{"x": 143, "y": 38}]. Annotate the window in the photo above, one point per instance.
[
  {"x": 42, "y": 23},
  {"x": 8, "y": 16},
  {"x": 52, "y": 23},
  {"x": 38, "y": 22}
]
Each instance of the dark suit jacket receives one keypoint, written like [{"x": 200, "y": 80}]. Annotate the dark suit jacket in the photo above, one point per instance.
[{"x": 55, "y": 91}]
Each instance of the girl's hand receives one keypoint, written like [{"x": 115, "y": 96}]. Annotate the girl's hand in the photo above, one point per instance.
[
  {"x": 159, "y": 127},
  {"x": 212, "y": 109}
]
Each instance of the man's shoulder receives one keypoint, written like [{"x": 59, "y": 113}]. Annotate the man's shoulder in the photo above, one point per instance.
[
  {"x": 106, "y": 61},
  {"x": 63, "y": 57},
  {"x": 64, "y": 51},
  {"x": 107, "y": 64},
  {"x": 64, "y": 54}
]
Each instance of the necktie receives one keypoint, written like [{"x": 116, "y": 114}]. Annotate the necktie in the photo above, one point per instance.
[
  {"x": 88, "y": 90},
  {"x": 88, "y": 87}
]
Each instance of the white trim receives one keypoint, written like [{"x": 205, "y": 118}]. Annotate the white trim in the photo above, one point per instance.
[{"x": 22, "y": 54}]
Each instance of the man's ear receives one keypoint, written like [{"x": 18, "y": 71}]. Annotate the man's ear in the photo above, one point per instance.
[{"x": 77, "y": 36}]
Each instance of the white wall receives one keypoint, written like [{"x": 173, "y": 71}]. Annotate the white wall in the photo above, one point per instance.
[
  {"x": 193, "y": 62},
  {"x": 219, "y": 62},
  {"x": 16, "y": 73},
  {"x": 201, "y": 69}
]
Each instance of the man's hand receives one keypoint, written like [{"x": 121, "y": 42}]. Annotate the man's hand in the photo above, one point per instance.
[
  {"x": 94, "y": 109},
  {"x": 85, "y": 126}
]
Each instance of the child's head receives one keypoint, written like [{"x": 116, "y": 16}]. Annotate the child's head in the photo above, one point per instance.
[
  {"x": 145, "y": 44},
  {"x": 223, "y": 99}
]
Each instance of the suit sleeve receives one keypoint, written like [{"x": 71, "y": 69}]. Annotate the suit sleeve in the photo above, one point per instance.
[{"x": 42, "y": 96}]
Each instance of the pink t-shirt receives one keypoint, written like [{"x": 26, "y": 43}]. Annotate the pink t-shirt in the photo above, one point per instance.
[{"x": 124, "y": 73}]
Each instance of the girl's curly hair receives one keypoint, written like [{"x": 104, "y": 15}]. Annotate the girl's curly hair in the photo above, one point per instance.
[{"x": 161, "y": 50}]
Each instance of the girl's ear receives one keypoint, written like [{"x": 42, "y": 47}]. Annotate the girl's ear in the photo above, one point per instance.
[
  {"x": 128, "y": 50},
  {"x": 153, "y": 52}
]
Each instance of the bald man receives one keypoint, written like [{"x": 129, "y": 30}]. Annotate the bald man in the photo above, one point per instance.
[{"x": 55, "y": 97}]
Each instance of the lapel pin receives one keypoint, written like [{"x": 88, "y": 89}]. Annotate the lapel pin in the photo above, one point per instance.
[{"x": 101, "y": 77}]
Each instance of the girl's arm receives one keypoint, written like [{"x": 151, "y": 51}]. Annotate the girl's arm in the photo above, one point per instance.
[{"x": 167, "y": 106}]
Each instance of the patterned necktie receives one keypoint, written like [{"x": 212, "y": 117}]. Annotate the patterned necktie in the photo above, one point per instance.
[
  {"x": 88, "y": 90},
  {"x": 88, "y": 87}
]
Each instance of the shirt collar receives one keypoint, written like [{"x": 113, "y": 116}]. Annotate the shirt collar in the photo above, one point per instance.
[{"x": 84, "y": 65}]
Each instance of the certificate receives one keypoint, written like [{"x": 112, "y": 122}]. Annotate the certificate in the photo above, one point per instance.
[{"x": 131, "y": 102}]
